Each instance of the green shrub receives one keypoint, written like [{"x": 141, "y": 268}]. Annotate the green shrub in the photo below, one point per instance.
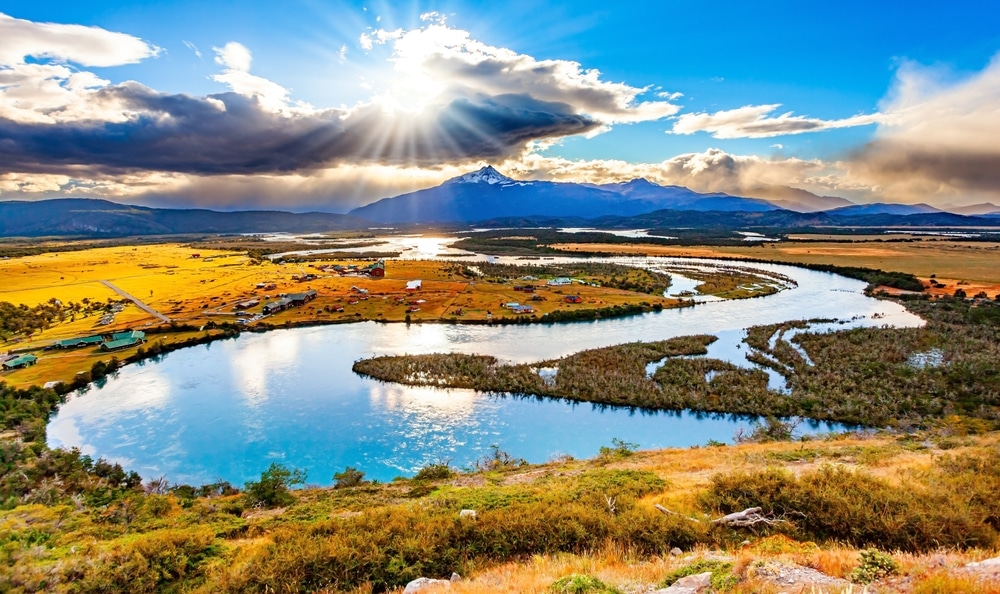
[
  {"x": 433, "y": 472},
  {"x": 272, "y": 490},
  {"x": 349, "y": 477},
  {"x": 148, "y": 563},
  {"x": 619, "y": 449},
  {"x": 837, "y": 504},
  {"x": 875, "y": 565},
  {"x": 722, "y": 574},
  {"x": 581, "y": 584}
]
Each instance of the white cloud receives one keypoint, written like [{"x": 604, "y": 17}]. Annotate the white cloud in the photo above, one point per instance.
[
  {"x": 434, "y": 17},
  {"x": 234, "y": 56},
  {"x": 86, "y": 46},
  {"x": 192, "y": 47},
  {"x": 755, "y": 121},
  {"x": 437, "y": 61},
  {"x": 342, "y": 54},
  {"x": 939, "y": 140},
  {"x": 237, "y": 60},
  {"x": 669, "y": 96},
  {"x": 712, "y": 170},
  {"x": 50, "y": 88}
]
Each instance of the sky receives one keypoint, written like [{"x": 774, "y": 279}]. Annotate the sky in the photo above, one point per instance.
[{"x": 306, "y": 105}]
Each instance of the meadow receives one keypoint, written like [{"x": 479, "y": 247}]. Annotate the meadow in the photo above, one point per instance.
[
  {"x": 970, "y": 265},
  {"x": 922, "y": 493},
  {"x": 197, "y": 289}
]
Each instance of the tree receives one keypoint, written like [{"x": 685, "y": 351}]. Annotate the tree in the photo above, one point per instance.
[
  {"x": 350, "y": 477},
  {"x": 272, "y": 490}
]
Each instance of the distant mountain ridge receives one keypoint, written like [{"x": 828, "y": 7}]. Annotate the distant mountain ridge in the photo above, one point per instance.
[
  {"x": 487, "y": 194},
  {"x": 97, "y": 218}
]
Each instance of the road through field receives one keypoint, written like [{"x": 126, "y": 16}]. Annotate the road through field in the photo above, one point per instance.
[{"x": 133, "y": 299}]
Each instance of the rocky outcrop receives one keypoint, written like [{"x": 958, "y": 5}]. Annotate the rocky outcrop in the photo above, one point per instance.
[{"x": 692, "y": 584}]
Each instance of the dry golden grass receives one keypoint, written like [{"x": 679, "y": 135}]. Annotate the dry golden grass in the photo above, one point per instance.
[
  {"x": 972, "y": 262},
  {"x": 194, "y": 290}
]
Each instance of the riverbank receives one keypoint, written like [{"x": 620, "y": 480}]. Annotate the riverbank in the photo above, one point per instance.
[
  {"x": 536, "y": 524},
  {"x": 199, "y": 291},
  {"x": 860, "y": 376}
]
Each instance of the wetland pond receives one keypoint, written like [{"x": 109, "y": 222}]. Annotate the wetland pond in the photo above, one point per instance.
[{"x": 228, "y": 409}]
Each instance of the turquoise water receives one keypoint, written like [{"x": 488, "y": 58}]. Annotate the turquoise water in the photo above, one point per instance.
[{"x": 228, "y": 409}]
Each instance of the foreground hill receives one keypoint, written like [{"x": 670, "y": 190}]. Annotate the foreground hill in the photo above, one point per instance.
[{"x": 101, "y": 218}]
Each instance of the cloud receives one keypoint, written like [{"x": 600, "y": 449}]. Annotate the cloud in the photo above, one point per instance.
[
  {"x": 940, "y": 139},
  {"x": 232, "y": 133},
  {"x": 236, "y": 59},
  {"x": 434, "y": 17},
  {"x": 712, "y": 170},
  {"x": 437, "y": 60},
  {"x": 48, "y": 88},
  {"x": 234, "y": 56},
  {"x": 192, "y": 47},
  {"x": 86, "y": 46},
  {"x": 450, "y": 100},
  {"x": 755, "y": 121}
]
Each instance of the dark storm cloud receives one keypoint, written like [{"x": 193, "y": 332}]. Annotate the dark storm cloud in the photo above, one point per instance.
[
  {"x": 185, "y": 134},
  {"x": 893, "y": 162}
]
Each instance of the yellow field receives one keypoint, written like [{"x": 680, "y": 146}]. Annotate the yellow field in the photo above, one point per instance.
[
  {"x": 195, "y": 286},
  {"x": 974, "y": 266}
]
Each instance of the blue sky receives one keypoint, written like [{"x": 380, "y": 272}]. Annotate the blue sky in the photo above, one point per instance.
[{"x": 349, "y": 102}]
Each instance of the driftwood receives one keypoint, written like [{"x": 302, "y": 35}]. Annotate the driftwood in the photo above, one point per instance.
[
  {"x": 748, "y": 517},
  {"x": 673, "y": 513}
]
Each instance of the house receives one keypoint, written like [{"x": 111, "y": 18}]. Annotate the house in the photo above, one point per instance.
[
  {"x": 523, "y": 309},
  {"x": 302, "y": 298},
  {"x": 559, "y": 281},
  {"x": 525, "y": 288},
  {"x": 107, "y": 319},
  {"x": 124, "y": 340},
  {"x": 246, "y": 304},
  {"x": 20, "y": 362},
  {"x": 511, "y": 305},
  {"x": 376, "y": 270},
  {"x": 276, "y": 306},
  {"x": 73, "y": 343},
  {"x": 414, "y": 285},
  {"x": 573, "y": 299}
]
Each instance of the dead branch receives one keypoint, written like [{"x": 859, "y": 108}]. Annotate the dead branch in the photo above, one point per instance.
[
  {"x": 673, "y": 513},
  {"x": 748, "y": 517}
]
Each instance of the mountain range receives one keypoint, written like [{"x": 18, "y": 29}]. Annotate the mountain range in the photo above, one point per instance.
[
  {"x": 488, "y": 195},
  {"x": 101, "y": 218}
]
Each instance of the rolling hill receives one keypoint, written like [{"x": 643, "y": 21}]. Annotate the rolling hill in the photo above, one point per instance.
[{"x": 101, "y": 218}]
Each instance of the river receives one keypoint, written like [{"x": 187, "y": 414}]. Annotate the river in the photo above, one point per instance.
[{"x": 226, "y": 410}]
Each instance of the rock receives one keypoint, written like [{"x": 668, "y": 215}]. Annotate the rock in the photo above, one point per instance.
[
  {"x": 676, "y": 552},
  {"x": 994, "y": 562},
  {"x": 783, "y": 574},
  {"x": 467, "y": 513},
  {"x": 423, "y": 584},
  {"x": 692, "y": 584},
  {"x": 455, "y": 577}
]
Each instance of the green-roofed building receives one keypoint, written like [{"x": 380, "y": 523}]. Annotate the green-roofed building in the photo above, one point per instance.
[
  {"x": 20, "y": 361},
  {"x": 80, "y": 341},
  {"x": 124, "y": 340},
  {"x": 130, "y": 334}
]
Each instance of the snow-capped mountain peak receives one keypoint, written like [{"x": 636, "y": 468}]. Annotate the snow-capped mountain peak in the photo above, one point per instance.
[{"x": 486, "y": 175}]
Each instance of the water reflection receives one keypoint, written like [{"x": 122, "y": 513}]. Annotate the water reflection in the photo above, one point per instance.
[{"x": 227, "y": 410}]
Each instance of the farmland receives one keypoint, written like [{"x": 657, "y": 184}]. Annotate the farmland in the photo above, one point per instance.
[
  {"x": 969, "y": 265},
  {"x": 198, "y": 290}
]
